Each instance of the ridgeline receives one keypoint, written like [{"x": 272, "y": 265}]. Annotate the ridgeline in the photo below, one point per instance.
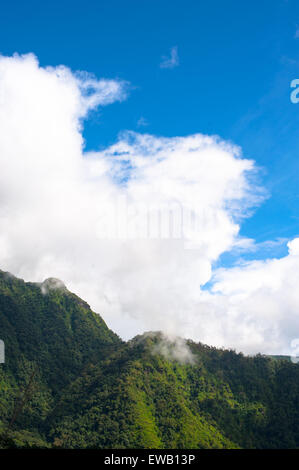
[{"x": 68, "y": 381}]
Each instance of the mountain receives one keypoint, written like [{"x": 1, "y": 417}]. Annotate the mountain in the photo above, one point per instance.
[{"x": 69, "y": 382}]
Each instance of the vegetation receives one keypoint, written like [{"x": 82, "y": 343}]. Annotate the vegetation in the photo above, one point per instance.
[{"x": 69, "y": 382}]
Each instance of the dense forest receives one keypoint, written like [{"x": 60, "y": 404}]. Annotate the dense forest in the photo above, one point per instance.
[{"x": 70, "y": 382}]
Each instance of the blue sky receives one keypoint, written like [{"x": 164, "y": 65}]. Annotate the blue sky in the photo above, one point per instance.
[{"x": 236, "y": 62}]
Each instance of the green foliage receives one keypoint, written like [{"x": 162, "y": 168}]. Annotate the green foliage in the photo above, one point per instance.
[{"x": 70, "y": 382}]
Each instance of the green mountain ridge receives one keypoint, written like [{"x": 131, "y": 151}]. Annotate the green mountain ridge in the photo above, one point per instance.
[{"x": 68, "y": 381}]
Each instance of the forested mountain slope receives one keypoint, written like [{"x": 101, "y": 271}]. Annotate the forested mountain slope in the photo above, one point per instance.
[{"x": 69, "y": 381}]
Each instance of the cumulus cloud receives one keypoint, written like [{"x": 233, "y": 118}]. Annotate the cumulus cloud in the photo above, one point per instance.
[
  {"x": 261, "y": 303},
  {"x": 171, "y": 61},
  {"x": 136, "y": 228}
]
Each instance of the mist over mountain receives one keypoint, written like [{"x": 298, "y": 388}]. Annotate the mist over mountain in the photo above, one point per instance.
[{"x": 69, "y": 382}]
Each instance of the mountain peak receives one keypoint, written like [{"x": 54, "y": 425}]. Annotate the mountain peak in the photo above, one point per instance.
[{"x": 52, "y": 283}]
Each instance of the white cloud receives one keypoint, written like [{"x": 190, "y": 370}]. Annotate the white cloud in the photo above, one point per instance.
[
  {"x": 171, "y": 61},
  {"x": 174, "y": 348},
  {"x": 261, "y": 301},
  {"x": 266, "y": 248},
  {"x": 54, "y": 198},
  {"x": 142, "y": 122}
]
